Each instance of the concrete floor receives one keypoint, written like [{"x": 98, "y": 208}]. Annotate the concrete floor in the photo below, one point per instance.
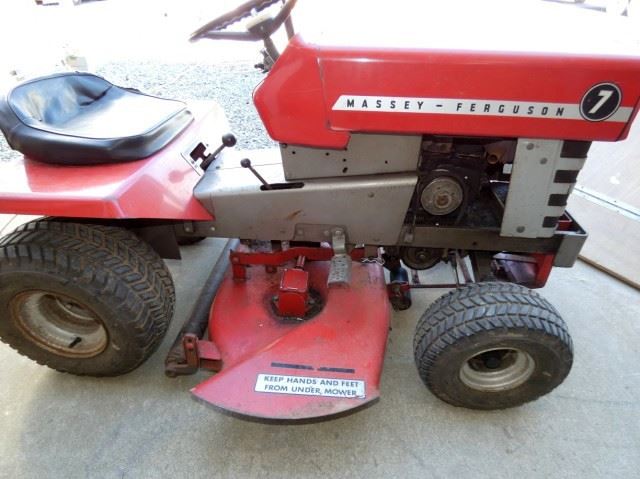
[{"x": 146, "y": 425}]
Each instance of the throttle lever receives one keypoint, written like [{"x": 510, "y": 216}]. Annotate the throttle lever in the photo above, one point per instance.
[{"x": 246, "y": 163}]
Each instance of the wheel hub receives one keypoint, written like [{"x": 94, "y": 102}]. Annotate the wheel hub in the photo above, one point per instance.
[
  {"x": 59, "y": 323},
  {"x": 497, "y": 369}
]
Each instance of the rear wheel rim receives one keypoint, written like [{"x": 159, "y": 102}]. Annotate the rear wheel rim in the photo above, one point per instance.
[
  {"x": 59, "y": 323},
  {"x": 497, "y": 369}
]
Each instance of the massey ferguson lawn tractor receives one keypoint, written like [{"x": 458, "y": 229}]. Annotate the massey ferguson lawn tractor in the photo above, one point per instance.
[{"x": 391, "y": 161}]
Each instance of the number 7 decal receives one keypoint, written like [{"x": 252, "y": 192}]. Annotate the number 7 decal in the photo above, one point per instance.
[
  {"x": 604, "y": 96},
  {"x": 600, "y": 102}
]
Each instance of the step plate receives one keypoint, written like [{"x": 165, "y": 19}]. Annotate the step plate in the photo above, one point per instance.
[
  {"x": 289, "y": 370},
  {"x": 340, "y": 270}
]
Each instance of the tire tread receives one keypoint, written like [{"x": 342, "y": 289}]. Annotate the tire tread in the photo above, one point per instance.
[
  {"x": 482, "y": 307},
  {"x": 125, "y": 269}
]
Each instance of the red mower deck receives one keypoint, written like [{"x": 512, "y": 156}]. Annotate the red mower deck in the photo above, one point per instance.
[{"x": 287, "y": 369}]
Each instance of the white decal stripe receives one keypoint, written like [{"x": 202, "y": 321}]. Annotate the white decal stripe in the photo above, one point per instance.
[
  {"x": 622, "y": 115},
  {"x": 452, "y": 106}
]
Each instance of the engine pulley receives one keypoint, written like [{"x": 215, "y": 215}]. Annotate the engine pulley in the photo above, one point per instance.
[
  {"x": 420, "y": 258},
  {"x": 442, "y": 195}
]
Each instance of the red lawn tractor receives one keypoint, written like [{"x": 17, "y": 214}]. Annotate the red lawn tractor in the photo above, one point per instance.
[{"x": 390, "y": 161}]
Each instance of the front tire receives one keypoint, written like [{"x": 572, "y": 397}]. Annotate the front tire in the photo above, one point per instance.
[
  {"x": 83, "y": 299},
  {"x": 492, "y": 346}
]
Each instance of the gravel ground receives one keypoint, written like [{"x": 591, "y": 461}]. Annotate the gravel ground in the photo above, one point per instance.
[{"x": 230, "y": 84}]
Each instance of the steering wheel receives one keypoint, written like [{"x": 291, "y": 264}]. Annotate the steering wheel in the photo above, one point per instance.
[{"x": 214, "y": 29}]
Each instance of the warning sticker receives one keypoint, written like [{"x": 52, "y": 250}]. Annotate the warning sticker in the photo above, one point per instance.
[{"x": 308, "y": 386}]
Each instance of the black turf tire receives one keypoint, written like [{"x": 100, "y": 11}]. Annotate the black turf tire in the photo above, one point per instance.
[
  {"x": 105, "y": 269},
  {"x": 483, "y": 316}
]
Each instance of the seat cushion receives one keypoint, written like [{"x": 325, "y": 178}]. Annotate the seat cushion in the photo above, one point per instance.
[{"x": 80, "y": 118}]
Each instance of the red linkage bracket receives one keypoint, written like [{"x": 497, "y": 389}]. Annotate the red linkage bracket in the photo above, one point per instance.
[{"x": 241, "y": 259}]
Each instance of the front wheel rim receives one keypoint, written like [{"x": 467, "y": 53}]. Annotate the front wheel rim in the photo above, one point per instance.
[
  {"x": 497, "y": 369},
  {"x": 59, "y": 323}
]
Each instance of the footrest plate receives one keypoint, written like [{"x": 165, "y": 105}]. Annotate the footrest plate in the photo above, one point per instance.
[{"x": 340, "y": 270}]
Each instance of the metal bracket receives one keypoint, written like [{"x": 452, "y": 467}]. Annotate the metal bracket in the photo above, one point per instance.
[
  {"x": 340, "y": 269},
  {"x": 307, "y": 232},
  {"x": 201, "y": 354},
  {"x": 194, "y": 354},
  {"x": 541, "y": 182},
  {"x": 200, "y": 148}
]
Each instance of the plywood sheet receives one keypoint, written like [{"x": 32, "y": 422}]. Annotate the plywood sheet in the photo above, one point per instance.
[
  {"x": 613, "y": 169},
  {"x": 614, "y": 240}
]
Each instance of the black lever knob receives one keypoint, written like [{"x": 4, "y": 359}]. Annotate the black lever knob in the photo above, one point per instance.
[
  {"x": 246, "y": 163},
  {"x": 228, "y": 140}
]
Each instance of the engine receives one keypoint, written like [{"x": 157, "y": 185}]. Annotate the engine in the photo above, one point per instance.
[{"x": 453, "y": 172}]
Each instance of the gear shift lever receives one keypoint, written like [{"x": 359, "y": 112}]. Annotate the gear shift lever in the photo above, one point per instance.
[{"x": 228, "y": 140}]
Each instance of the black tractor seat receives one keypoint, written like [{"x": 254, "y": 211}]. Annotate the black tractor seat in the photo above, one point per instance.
[{"x": 82, "y": 119}]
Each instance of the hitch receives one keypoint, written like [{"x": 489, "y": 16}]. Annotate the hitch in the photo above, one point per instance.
[
  {"x": 189, "y": 351},
  {"x": 197, "y": 354}
]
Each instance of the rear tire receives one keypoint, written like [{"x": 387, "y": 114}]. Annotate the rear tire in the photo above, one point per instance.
[
  {"x": 83, "y": 299},
  {"x": 492, "y": 346}
]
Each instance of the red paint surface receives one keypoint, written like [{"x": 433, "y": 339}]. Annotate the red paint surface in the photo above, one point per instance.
[
  {"x": 160, "y": 186},
  {"x": 291, "y": 103},
  {"x": 296, "y": 98},
  {"x": 350, "y": 332},
  {"x": 544, "y": 263}
]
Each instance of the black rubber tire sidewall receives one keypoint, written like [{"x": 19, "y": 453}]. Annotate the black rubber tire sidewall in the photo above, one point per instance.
[
  {"x": 549, "y": 355},
  {"x": 492, "y": 315},
  {"x": 106, "y": 269},
  {"x": 122, "y": 352}
]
